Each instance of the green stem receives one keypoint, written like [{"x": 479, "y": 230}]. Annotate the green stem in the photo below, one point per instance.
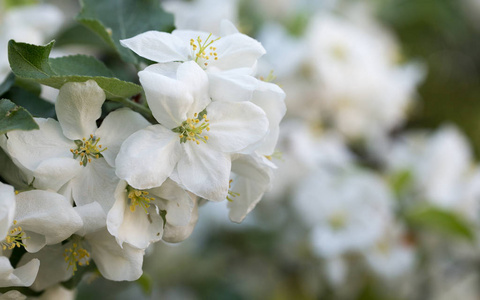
[{"x": 145, "y": 111}]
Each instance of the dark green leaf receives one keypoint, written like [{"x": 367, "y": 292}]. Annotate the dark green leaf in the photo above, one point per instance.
[
  {"x": 32, "y": 62},
  {"x": 440, "y": 220},
  {"x": 123, "y": 20},
  {"x": 13, "y": 117},
  {"x": 37, "y": 106}
]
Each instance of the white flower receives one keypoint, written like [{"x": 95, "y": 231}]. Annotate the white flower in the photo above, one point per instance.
[
  {"x": 346, "y": 210},
  {"x": 195, "y": 138},
  {"x": 73, "y": 152},
  {"x": 229, "y": 60},
  {"x": 439, "y": 164},
  {"x": 392, "y": 255},
  {"x": 136, "y": 217}
]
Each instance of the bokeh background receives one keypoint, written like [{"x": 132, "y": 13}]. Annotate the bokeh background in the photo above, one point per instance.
[{"x": 377, "y": 192}]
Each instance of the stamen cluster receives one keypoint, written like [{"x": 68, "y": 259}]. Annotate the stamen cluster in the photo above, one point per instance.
[
  {"x": 14, "y": 238},
  {"x": 231, "y": 194},
  {"x": 75, "y": 255},
  {"x": 138, "y": 198},
  {"x": 202, "y": 49},
  {"x": 87, "y": 149},
  {"x": 192, "y": 129}
]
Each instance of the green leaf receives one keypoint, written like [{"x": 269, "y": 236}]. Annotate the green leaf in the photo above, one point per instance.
[
  {"x": 145, "y": 282},
  {"x": 440, "y": 220},
  {"x": 37, "y": 106},
  {"x": 400, "y": 180},
  {"x": 123, "y": 20},
  {"x": 32, "y": 62},
  {"x": 13, "y": 117}
]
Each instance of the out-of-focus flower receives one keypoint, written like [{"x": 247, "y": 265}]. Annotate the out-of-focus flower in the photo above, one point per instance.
[
  {"x": 202, "y": 15},
  {"x": 346, "y": 211}
]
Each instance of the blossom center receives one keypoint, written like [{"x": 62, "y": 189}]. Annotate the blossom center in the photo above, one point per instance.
[
  {"x": 337, "y": 221},
  {"x": 14, "y": 238},
  {"x": 76, "y": 255},
  {"x": 87, "y": 150},
  {"x": 203, "y": 50},
  {"x": 138, "y": 198},
  {"x": 192, "y": 129}
]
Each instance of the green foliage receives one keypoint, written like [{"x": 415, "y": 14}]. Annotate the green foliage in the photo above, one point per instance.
[
  {"x": 14, "y": 117},
  {"x": 5, "y": 85},
  {"x": 124, "y": 19},
  {"x": 145, "y": 282},
  {"x": 440, "y": 220},
  {"x": 31, "y": 62}
]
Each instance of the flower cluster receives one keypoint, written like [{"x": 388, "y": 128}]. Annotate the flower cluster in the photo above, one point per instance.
[{"x": 96, "y": 191}]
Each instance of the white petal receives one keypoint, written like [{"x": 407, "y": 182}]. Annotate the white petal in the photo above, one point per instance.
[
  {"x": 168, "y": 98},
  {"x": 235, "y": 125},
  {"x": 231, "y": 86},
  {"x": 93, "y": 216},
  {"x": 31, "y": 148},
  {"x": 115, "y": 128},
  {"x": 78, "y": 106},
  {"x": 158, "y": 46},
  {"x": 53, "y": 268},
  {"x": 271, "y": 98},
  {"x": 175, "y": 234},
  {"x": 148, "y": 157},
  {"x": 135, "y": 228},
  {"x": 252, "y": 181},
  {"x": 13, "y": 295},
  {"x": 176, "y": 201},
  {"x": 227, "y": 28},
  {"x": 112, "y": 261},
  {"x": 95, "y": 183},
  {"x": 53, "y": 173},
  {"x": 237, "y": 51},
  {"x": 196, "y": 80},
  {"x": 7, "y": 208},
  {"x": 48, "y": 214},
  {"x": 21, "y": 276},
  {"x": 204, "y": 171}
]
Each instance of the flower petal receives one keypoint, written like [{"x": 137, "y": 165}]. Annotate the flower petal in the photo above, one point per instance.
[
  {"x": 95, "y": 183},
  {"x": 175, "y": 234},
  {"x": 176, "y": 201},
  {"x": 271, "y": 98},
  {"x": 235, "y": 125},
  {"x": 158, "y": 46},
  {"x": 78, "y": 106},
  {"x": 196, "y": 80},
  {"x": 148, "y": 157},
  {"x": 168, "y": 98},
  {"x": 231, "y": 85},
  {"x": 7, "y": 208},
  {"x": 237, "y": 51},
  {"x": 112, "y": 261},
  {"x": 48, "y": 214},
  {"x": 204, "y": 171},
  {"x": 55, "y": 172},
  {"x": 252, "y": 181},
  {"x": 31, "y": 148},
  {"x": 21, "y": 276},
  {"x": 93, "y": 216},
  {"x": 115, "y": 128}
]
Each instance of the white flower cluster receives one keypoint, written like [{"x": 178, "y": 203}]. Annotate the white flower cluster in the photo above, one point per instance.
[{"x": 105, "y": 193}]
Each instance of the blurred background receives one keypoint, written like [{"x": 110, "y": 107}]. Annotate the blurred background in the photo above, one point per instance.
[{"x": 377, "y": 191}]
